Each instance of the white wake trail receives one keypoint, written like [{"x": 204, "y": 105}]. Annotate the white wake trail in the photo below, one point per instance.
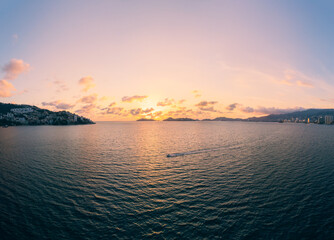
[{"x": 193, "y": 152}]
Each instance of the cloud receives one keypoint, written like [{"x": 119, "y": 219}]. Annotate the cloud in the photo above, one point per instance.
[
  {"x": 154, "y": 115},
  {"x": 270, "y": 110},
  {"x": 111, "y": 110},
  {"x": 86, "y": 83},
  {"x": 140, "y": 111},
  {"x": 115, "y": 111},
  {"x": 262, "y": 110},
  {"x": 232, "y": 106},
  {"x": 196, "y": 93},
  {"x": 183, "y": 112},
  {"x": 86, "y": 109},
  {"x": 331, "y": 100},
  {"x": 182, "y": 101},
  {"x": 207, "y": 106},
  {"x": 133, "y": 98},
  {"x": 304, "y": 84},
  {"x": 14, "y": 68},
  {"x": 58, "y": 105},
  {"x": 287, "y": 76},
  {"x": 205, "y": 103},
  {"x": 104, "y": 98},
  {"x": 112, "y": 104},
  {"x": 109, "y": 106},
  {"x": 273, "y": 110},
  {"x": 89, "y": 99},
  {"x": 247, "y": 109},
  {"x": 123, "y": 112},
  {"x": 293, "y": 77},
  {"x": 60, "y": 86},
  {"x": 166, "y": 102},
  {"x": 208, "y": 109},
  {"x": 6, "y": 89}
]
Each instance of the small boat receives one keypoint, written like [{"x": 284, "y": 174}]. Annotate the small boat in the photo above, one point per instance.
[{"x": 178, "y": 154}]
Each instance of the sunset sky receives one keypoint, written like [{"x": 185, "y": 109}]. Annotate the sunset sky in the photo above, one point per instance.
[{"x": 123, "y": 60}]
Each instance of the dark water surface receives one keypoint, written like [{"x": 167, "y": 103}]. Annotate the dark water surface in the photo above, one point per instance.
[{"x": 113, "y": 180}]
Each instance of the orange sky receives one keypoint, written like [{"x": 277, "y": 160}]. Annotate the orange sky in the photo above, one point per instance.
[{"x": 116, "y": 60}]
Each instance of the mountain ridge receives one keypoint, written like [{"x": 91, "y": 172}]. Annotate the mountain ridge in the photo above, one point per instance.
[
  {"x": 311, "y": 115},
  {"x": 24, "y": 114}
]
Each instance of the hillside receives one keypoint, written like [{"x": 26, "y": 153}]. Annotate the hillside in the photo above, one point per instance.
[
  {"x": 14, "y": 115},
  {"x": 311, "y": 114}
]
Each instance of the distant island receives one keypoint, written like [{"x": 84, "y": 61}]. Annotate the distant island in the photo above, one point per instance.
[
  {"x": 145, "y": 120},
  {"x": 180, "y": 119},
  {"x": 167, "y": 119},
  {"x": 317, "y": 116},
  {"x": 15, "y": 115}
]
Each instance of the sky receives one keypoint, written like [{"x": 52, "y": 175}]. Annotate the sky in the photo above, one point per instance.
[{"x": 125, "y": 60}]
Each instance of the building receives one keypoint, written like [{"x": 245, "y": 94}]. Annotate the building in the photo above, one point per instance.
[
  {"x": 21, "y": 120},
  {"x": 328, "y": 119},
  {"x": 22, "y": 110},
  {"x": 10, "y": 115}
]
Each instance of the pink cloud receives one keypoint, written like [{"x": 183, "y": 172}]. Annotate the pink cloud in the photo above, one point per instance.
[
  {"x": 58, "y": 105},
  {"x": 133, "y": 98},
  {"x": 86, "y": 109},
  {"x": 116, "y": 111},
  {"x": 205, "y": 103},
  {"x": 265, "y": 110},
  {"x": 14, "y": 68},
  {"x": 304, "y": 84},
  {"x": 232, "y": 106},
  {"x": 88, "y": 99},
  {"x": 196, "y": 93},
  {"x": 86, "y": 83},
  {"x": 6, "y": 89},
  {"x": 207, "y": 106},
  {"x": 112, "y": 104},
  {"x": 166, "y": 102},
  {"x": 61, "y": 86},
  {"x": 140, "y": 111}
]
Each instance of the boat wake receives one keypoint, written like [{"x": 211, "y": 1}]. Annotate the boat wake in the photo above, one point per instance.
[{"x": 192, "y": 152}]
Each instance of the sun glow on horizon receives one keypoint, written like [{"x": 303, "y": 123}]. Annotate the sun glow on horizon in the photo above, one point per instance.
[{"x": 135, "y": 60}]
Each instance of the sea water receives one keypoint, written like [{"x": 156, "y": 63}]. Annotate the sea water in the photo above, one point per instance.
[{"x": 113, "y": 180}]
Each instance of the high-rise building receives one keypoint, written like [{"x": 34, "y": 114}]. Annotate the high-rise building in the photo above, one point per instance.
[{"x": 328, "y": 119}]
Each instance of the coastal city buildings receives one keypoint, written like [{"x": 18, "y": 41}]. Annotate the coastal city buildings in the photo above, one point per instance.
[
  {"x": 11, "y": 115},
  {"x": 328, "y": 119},
  {"x": 22, "y": 110}
]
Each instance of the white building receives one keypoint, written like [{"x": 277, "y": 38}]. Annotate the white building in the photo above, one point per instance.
[
  {"x": 21, "y": 120},
  {"x": 10, "y": 115},
  {"x": 22, "y": 110},
  {"x": 328, "y": 119}
]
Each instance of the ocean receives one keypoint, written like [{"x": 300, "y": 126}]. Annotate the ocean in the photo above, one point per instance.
[{"x": 113, "y": 180}]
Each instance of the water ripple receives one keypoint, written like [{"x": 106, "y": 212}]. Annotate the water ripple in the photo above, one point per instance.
[{"x": 113, "y": 181}]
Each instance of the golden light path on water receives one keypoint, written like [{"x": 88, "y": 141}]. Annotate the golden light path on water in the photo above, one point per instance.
[{"x": 113, "y": 180}]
